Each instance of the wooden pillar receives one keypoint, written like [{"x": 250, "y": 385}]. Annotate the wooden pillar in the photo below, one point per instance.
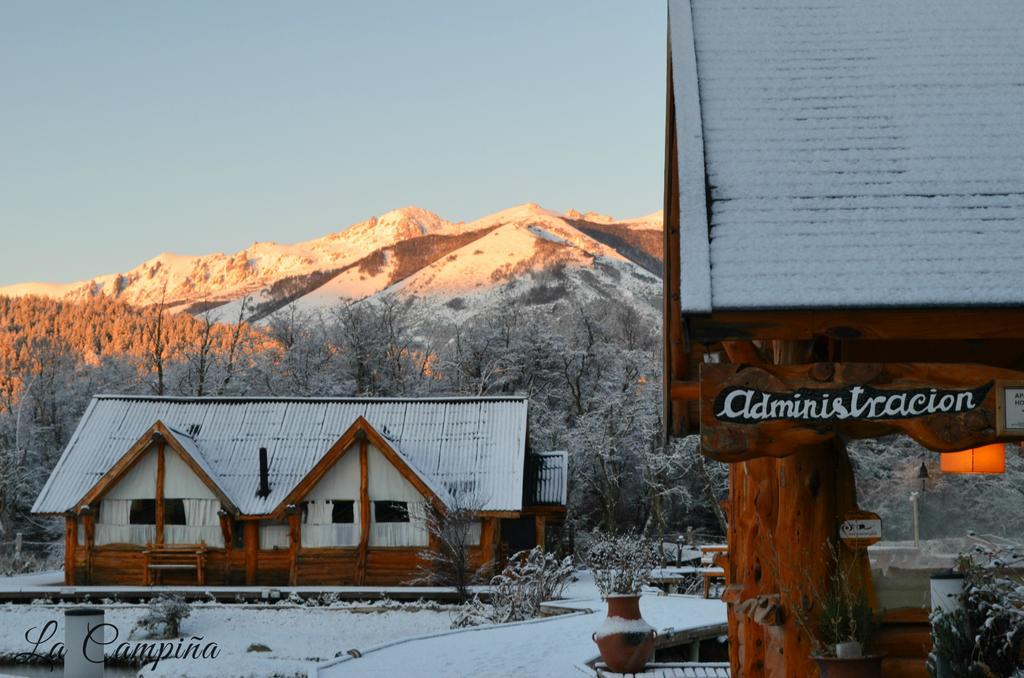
[
  {"x": 364, "y": 510},
  {"x": 539, "y": 523},
  {"x": 160, "y": 491},
  {"x": 251, "y": 545},
  {"x": 294, "y": 542},
  {"x": 89, "y": 525},
  {"x": 228, "y": 532},
  {"x": 70, "y": 546},
  {"x": 487, "y": 540}
]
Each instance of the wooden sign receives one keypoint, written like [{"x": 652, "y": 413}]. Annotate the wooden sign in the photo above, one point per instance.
[
  {"x": 751, "y": 411},
  {"x": 860, "y": 529}
]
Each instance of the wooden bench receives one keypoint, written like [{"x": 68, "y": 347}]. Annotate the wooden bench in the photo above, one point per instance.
[
  {"x": 175, "y": 557},
  {"x": 712, "y": 561}
]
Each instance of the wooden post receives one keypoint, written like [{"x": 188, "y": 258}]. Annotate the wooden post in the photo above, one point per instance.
[
  {"x": 160, "y": 491},
  {"x": 251, "y": 545},
  {"x": 70, "y": 546},
  {"x": 89, "y": 524},
  {"x": 364, "y": 510},
  {"x": 540, "y": 522},
  {"x": 295, "y": 541},
  {"x": 228, "y": 532}
]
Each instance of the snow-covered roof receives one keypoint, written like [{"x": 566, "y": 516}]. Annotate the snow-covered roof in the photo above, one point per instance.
[
  {"x": 550, "y": 481},
  {"x": 452, "y": 443},
  {"x": 855, "y": 153}
]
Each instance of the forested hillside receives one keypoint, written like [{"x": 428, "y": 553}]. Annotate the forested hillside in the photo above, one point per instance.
[{"x": 592, "y": 371}]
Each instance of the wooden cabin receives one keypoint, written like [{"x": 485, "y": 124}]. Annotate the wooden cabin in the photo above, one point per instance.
[
  {"x": 844, "y": 204},
  {"x": 263, "y": 491}
]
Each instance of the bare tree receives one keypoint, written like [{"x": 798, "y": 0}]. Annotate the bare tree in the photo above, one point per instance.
[{"x": 455, "y": 530}]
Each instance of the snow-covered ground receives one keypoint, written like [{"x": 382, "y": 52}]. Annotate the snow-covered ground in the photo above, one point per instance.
[
  {"x": 546, "y": 648},
  {"x": 297, "y": 637},
  {"x": 394, "y": 639}
]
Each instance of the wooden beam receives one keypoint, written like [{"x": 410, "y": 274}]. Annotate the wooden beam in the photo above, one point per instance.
[
  {"x": 227, "y": 529},
  {"x": 364, "y": 511},
  {"x": 778, "y": 410},
  {"x": 919, "y": 324},
  {"x": 160, "y": 492},
  {"x": 685, "y": 390},
  {"x": 251, "y": 545},
  {"x": 70, "y": 545},
  {"x": 294, "y": 542},
  {"x": 540, "y": 522},
  {"x": 89, "y": 525},
  {"x": 742, "y": 352}
]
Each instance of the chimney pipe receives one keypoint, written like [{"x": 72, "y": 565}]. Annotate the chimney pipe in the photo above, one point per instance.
[{"x": 264, "y": 474}]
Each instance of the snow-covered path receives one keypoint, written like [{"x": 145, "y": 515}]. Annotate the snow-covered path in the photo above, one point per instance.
[{"x": 547, "y": 648}]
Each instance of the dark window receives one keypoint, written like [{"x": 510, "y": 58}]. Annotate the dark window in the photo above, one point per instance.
[
  {"x": 390, "y": 512},
  {"x": 143, "y": 512},
  {"x": 174, "y": 512},
  {"x": 343, "y": 511},
  {"x": 238, "y": 532}
]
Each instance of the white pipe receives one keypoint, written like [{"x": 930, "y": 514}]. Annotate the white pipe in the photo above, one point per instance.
[{"x": 83, "y": 643}]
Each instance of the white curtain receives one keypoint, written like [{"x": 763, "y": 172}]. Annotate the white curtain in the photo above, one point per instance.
[
  {"x": 412, "y": 533},
  {"x": 319, "y": 529},
  {"x": 473, "y": 536},
  {"x": 202, "y": 525},
  {"x": 113, "y": 526},
  {"x": 274, "y": 535}
]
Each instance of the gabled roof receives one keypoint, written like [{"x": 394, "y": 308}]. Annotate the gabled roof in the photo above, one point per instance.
[
  {"x": 849, "y": 153},
  {"x": 460, "y": 444},
  {"x": 176, "y": 442},
  {"x": 434, "y": 492}
]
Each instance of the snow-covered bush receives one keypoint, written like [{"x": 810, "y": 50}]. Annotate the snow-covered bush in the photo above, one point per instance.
[
  {"x": 621, "y": 564},
  {"x": 530, "y": 578},
  {"x": 163, "y": 618},
  {"x": 987, "y": 637}
]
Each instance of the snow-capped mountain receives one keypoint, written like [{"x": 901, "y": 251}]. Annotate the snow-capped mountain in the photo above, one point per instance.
[{"x": 450, "y": 269}]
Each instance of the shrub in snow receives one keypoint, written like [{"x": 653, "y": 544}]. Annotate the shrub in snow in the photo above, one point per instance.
[
  {"x": 987, "y": 637},
  {"x": 162, "y": 618},
  {"x": 621, "y": 564},
  {"x": 455, "y": 531},
  {"x": 529, "y": 579}
]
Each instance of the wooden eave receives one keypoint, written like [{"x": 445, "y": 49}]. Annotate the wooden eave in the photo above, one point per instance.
[
  {"x": 938, "y": 323},
  {"x": 136, "y": 452},
  {"x": 346, "y": 442}
]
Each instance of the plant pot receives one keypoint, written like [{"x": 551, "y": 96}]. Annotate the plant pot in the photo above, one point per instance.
[
  {"x": 851, "y": 649},
  {"x": 862, "y": 667},
  {"x": 625, "y": 640}
]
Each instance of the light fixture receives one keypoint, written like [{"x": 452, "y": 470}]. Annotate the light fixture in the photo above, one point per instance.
[
  {"x": 922, "y": 475},
  {"x": 979, "y": 460}
]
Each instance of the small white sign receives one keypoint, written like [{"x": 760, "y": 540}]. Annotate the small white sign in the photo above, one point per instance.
[
  {"x": 1013, "y": 409},
  {"x": 861, "y": 529}
]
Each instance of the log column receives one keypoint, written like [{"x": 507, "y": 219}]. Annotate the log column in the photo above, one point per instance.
[
  {"x": 159, "y": 488},
  {"x": 295, "y": 541},
  {"x": 70, "y": 546},
  {"x": 89, "y": 525},
  {"x": 251, "y": 545},
  {"x": 364, "y": 509},
  {"x": 539, "y": 528},
  {"x": 784, "y": 516}
]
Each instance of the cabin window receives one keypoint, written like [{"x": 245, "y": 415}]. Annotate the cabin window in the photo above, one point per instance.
[
  {"x": 274, "y": 534},
  {"x": 143, "y": 512},
  {"x": 391, "y": 512},
  {"x": 329, "y": 522},
  {"x": 343, "y": 512},
  {"x": 174, "y": 512}
]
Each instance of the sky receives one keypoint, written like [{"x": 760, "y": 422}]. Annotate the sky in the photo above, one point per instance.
[{"x": 133, "y": 128}]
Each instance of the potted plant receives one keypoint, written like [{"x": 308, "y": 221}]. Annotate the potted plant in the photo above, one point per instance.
[
  {"x": 845, "y": 624},
  {"x": 621, "y": 566}
]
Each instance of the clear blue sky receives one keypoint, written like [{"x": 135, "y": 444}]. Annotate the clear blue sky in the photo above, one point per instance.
[{"x": 131, "y": 128}]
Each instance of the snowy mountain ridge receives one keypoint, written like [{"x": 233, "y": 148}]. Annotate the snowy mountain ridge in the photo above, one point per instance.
[{"x": 452, "y": 269}]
